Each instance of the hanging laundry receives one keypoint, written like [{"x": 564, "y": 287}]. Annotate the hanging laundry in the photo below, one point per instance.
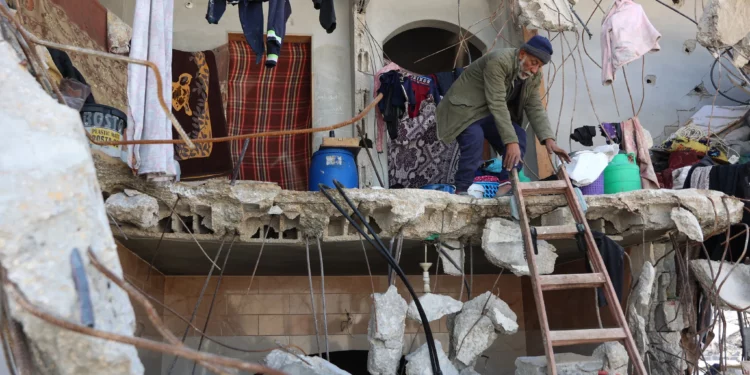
[
  {"x": 196, "y": 102},
  {"x": 152, "y": 41},
  {"x": 611, "y": 130},
  {"x": 251, "y": 18},
  {"x": 419, "y": 88},
  {"x": 732, "y": 180},
  {"x": 379, "y": 121},
  {"x": 612, "y": 255},
  {"x": 416, "y": 157},
  {"x": 627, "y": 34},
  {"x": 327, "y": 16},
  {"x": 707, "y": 161},
  {"x": 445, "y": 79},
  {"x": 584, "y": 135},
  {"x": 393, "y": 105},
  {"x": 635, "y": 141}
]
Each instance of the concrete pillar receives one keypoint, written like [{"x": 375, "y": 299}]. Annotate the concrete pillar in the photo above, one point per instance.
[{"x": 366, "y": 61}]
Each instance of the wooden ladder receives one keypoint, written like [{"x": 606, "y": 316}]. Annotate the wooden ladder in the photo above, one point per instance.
[{"x": 599, "y": 277}]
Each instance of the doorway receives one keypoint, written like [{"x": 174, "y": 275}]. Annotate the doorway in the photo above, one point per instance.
[{"x": 410, "y": 50}]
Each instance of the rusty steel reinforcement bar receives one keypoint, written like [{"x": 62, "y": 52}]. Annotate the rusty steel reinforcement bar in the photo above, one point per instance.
[
  {"x": 184, "y": 352},
  {"x": 354, "y": 119},
  {"x": 160, "y": 91}
]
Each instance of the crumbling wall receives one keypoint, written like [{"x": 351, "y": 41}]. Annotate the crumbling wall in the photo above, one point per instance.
[{"x": 51, "y": 204}]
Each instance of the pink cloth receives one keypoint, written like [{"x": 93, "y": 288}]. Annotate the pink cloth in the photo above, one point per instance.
[
  {"x": 378, "y": 116},
  {"x": 635, "y": 141},
  {"x": 627, "y": 35}
]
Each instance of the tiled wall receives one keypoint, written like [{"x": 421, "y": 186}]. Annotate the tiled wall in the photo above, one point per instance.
[
  {"x": 136, "y": 271},
  {"x": 277, "y": 309}
]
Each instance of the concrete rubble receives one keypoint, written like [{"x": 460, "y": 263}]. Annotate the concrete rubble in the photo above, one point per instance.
[
  {"x": 503, "y": 246},
  {"x": 455, "y": 255},
  {"x": 52, "y": 204},
  {"x": 726, "y": 23},
  {"x": 386, "y": 332},
  {"x": 611, "y": 357},
  {"x": 476, "y": 327},
  {"x": 418, "y": 362},
  {"x": 551, "y": 15},
  {"x": 638, "y": 307},
  {"x": 135, "y": 208},
  {"x": 687, "y": 224},
  {"x": 292, "y": 364},
  {"x": 244, "y": 208},
  {"x": 733, "y": 280},
  {"x": 435, "y": 307}
]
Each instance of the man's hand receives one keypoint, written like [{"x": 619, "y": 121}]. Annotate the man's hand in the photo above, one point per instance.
[
  {"x": 512, "y": 156},
  {"x": 552, "y": 147}
]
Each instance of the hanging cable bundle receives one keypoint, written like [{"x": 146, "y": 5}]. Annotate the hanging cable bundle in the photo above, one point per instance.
[{"x": 376, "y": 242}]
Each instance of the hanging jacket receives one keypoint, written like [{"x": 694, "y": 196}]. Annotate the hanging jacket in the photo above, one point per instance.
[
  {"x": 627, "y": 34},
  {"x": 251, "y": 18},
  {"x": 327, "y": 16},
  {"x": 393, "y": 104}
]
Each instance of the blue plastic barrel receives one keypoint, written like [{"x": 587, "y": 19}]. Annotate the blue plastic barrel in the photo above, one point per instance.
[{"x": 330, "y": 164}]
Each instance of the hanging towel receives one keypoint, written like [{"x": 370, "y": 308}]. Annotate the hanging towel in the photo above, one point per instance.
[
  {"x": 146, "y": 118},
  {"x": 627, "y": 34},
  {"x": 635, "y": 141}
]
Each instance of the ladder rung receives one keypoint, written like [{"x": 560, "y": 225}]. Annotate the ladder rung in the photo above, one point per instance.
[
  {"x": 574, "y": 281},
  {"x": 556, "y": 232},
  {"x": 543, "y": 187},
  {"x": 586, "y": 336}
]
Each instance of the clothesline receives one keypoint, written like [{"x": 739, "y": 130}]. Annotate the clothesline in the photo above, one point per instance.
[{"x": 249, "y": 136}]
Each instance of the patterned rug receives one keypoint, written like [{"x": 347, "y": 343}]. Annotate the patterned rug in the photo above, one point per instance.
[
  {"x": 261, "y": 100},
  {"x": 417, "y": 157},
  {"x": 196, "y": 102}
]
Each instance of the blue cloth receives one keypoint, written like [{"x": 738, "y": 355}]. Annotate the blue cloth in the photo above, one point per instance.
[
  {"x": 393, "y": 104},
  {"x": 471, "y": 144},
  {"x": 445, "y": 79},
  {"x": 278, "y": 13},
  {"x": 216, "y": 9}
]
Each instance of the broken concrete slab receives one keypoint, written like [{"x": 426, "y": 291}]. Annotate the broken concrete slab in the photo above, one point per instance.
[
  {"x": 418, "y": 362},
  {"x": 243, "y": 209},
  {"x": 299, "y": 364},
  {"x": 667, "y": 353},
  {"x": 51, "y": 204},
  {"x": 134, "y": 207},
  {"x": 724, "y": 23},
  {"x": 503, "y": 246},
  {"x": 668, "y": 317},
  {"x": 731, "y": 280},
  {"x": 468, "y": 371},
  {"x": 612, "y": 357},
  {"x": 475, "y": 328},
  {"x": 687, "y": 224},
  {"x": 551, "y": 15},
  {"x": 455, "y": 255},
  {"x": 435, "y": 307},
  {"x": 638, "y": 307},
  {"x": 386, "y": 332}
]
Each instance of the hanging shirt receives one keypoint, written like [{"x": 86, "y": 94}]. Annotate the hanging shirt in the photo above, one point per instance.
[
  {"x": 419, "y": 88},
  {"x": 327, "y": 15},
  {"x": 627, "y": 34}
]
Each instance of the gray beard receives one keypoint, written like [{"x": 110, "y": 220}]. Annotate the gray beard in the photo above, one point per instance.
[{"x": 523, "y": 75}]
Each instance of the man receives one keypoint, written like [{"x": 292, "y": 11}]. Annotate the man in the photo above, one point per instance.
[{"x": 488, "y": 101}]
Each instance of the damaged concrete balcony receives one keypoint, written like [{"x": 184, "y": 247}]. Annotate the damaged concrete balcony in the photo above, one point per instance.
[{"x": 213, "y": 210}]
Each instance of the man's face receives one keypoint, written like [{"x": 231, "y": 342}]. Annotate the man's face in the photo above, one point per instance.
[{"x": 530, "y": 65}]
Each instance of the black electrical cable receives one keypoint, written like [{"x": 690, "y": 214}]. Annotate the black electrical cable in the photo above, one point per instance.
[
  {"x": 714, "y": 82},
  {"x": 383, "y": 252}
]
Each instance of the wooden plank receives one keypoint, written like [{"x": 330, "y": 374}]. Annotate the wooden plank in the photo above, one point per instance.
[
  {"x": 556, "y": 232},
  {"x": 586, "y": 336},
  {"x": 543, "y": 162},
  {"x": 340, "y": 142},
  {"x": 543, "y": 187},
  {"x": 576, "y": 281},
  {"x": 535, "y": 285},
  {"x": 597, "y": 263}
]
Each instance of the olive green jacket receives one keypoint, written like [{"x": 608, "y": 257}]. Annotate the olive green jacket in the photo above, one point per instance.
[{"x": 482, "y": 89}]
